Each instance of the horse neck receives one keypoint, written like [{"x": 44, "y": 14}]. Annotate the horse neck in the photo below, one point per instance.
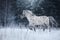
[{"x": 28, "y": 16}]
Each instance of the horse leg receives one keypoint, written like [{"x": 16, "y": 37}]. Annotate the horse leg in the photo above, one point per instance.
[
  {"x": 34, "y": 29},
  {"x": 49, "y": 28},
  {"x": 30, "y": 27},
  {"x": 43, "y": 27}
]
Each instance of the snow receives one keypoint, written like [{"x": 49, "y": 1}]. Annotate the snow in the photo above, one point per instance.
[{"x": 26, "y": 34}]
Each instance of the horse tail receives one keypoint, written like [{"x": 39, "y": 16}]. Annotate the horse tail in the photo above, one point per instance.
[{"x": 53, "y": 21}]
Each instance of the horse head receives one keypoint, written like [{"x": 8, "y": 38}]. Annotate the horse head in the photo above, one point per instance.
[
  {"x": 26, "y": 13},
  {"x": 22, "y": 15}
]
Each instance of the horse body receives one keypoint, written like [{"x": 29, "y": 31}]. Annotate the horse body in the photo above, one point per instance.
[
  {"x": 42, "y": 21},
  {"x": 38, "y": 20}
]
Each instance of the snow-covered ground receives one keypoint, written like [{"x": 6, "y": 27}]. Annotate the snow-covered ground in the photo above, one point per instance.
[{"x": 24, "y": 34}]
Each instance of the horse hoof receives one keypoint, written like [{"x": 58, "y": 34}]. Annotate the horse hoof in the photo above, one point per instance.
[
  {"x": 43, "y": 29},
  {"x": 49, "y": 30}
]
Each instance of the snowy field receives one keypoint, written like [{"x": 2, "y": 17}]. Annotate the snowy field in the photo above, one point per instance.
[{"x": 24, "y": 34}]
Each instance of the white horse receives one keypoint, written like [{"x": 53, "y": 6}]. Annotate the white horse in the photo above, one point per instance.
[{"x": 40, "y": 21}]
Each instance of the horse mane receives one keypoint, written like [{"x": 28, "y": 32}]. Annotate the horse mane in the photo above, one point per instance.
[{"x": 29, "y": 12}]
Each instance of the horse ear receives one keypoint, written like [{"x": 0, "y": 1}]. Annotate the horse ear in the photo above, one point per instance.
[{"x": 23, "y": 12}]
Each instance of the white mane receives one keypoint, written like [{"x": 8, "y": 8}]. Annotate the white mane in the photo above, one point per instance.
[{"x": 27, "y": 12}]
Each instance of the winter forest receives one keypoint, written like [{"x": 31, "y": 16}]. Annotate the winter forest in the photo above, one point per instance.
[
  {"x": 11, "y": 9},
  {"x": 13, "y": 17}
]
